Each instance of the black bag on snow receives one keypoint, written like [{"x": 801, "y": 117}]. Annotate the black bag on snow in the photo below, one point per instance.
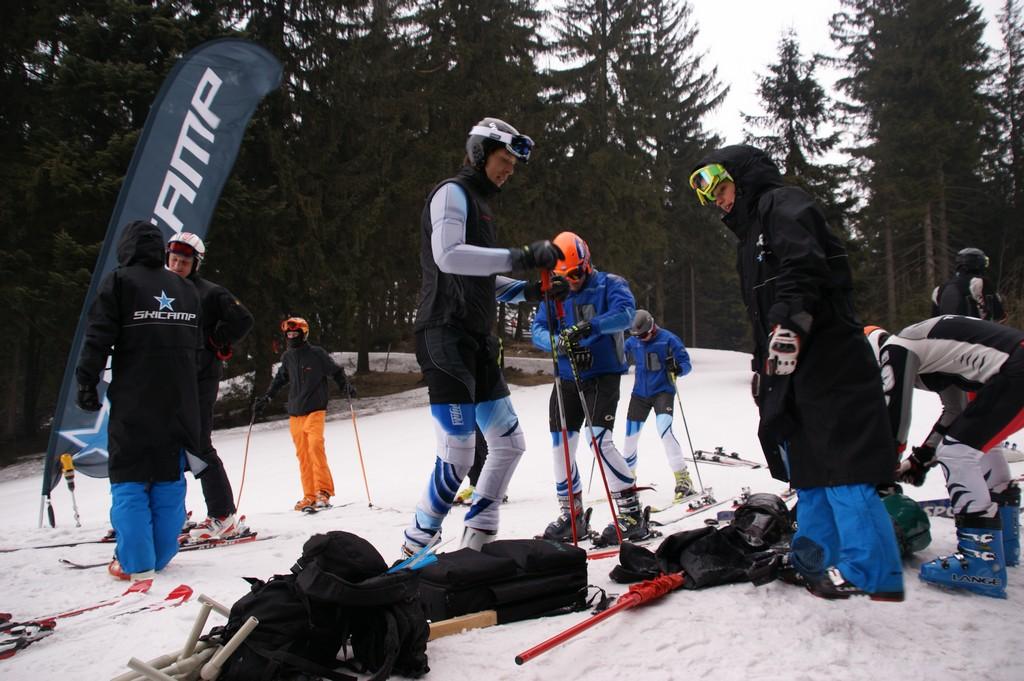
[
  {"x": 337, "y": 597},
  {"x": 708, "y": 556},
  {"x": 518, "y": 578}
]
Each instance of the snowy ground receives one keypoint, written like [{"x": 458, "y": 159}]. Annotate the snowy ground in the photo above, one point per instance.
[{"x": 728, "y": 632}]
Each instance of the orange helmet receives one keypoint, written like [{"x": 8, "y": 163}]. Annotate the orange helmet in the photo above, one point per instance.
[
  {"x": 576, "y": 263},
  {"x": 295, "y": 323}
]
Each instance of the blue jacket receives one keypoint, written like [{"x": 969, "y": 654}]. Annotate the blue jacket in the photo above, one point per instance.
[
  {"x": 651, "y": 360},
  {"x": 607, "y": 303}
]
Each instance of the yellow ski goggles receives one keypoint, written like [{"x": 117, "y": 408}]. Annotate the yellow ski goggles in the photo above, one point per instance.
[{"x": 705, "y": 180}]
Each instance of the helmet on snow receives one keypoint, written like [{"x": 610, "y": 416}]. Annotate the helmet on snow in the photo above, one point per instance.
[
  {"x": 910, "y": 522},
  {"x": 643, "y": 323},
  {"x": 575, "y": 263},
  {"x": 188, "y": 245},
  {"x": 971, "y": 260},
  {"x": 763, "y": 519},
  {"x": 492, "y": 134}
]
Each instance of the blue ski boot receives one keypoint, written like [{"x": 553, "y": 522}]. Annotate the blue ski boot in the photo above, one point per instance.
[
  {"x": 1009, "y": 513},
  {"x": 978, "y": 565}
]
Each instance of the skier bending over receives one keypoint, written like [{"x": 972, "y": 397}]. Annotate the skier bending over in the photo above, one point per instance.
[{"x": 951, "y": 355}]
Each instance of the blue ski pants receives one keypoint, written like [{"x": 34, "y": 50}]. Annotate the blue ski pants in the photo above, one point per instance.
[
  {"x": 852, "y": 529},
  {"x": 147, "y": 518}
]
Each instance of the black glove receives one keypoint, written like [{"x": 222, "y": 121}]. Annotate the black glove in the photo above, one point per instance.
[
  {"x": 349, "y": 390},
  {"x": 755, "y": 388},
  {"x": 558, "y": 291},
  {"x": 673, "y": 367},
  {"x": 540, "y": 255},
  {"x": 914, "y": 468},
  {"x": 581, "y": 357},
  {"x": 577, "y": 332},
  {"x": 260, "y": 404},
  {"x": 88, "y": 399}
]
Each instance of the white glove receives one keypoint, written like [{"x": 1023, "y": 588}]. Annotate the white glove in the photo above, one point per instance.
[{"x": 783, "y": 347}]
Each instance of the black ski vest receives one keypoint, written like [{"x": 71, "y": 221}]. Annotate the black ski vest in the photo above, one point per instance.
[{"x": 459, "y": 300}]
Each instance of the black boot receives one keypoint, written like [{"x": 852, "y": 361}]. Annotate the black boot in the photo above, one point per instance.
[
  {"x": 633, "y": 520},
  {"x": 561, "y": 528}
]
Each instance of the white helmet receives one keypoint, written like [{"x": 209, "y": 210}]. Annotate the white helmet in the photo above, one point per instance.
[{"x": 188, "y": 244}]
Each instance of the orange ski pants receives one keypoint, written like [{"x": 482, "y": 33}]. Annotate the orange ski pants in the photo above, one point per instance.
[{"x": 308, "y": 436}]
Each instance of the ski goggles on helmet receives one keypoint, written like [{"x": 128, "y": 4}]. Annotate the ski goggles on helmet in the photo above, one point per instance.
[
  {"x": 705, "y": 180},
  {"x": 519, "y": 146},
  {"x": 181, "y": 249},
  {"x": 575, "y": 274},
  {"x": 295, "y": 324}
]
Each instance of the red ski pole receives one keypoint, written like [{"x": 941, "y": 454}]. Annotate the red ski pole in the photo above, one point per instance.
[
  {"x": 545, "y": 287},
  {"x": 638, "y": 594}
]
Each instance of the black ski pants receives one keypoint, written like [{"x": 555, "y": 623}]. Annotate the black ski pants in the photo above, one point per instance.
[{"x": 214, "y": 479}]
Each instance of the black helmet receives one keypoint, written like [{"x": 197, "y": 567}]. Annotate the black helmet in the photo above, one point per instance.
[
  {"x": 643, "y": 323},
  {"x": 763, "y": 519},
  {"x": 491, "y": 134},
  {"x": 971, "y": 260}
]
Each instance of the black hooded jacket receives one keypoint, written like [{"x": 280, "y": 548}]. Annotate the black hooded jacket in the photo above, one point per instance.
[
  {"x": 225, "y": 321},
  {"x": 829, "y": 415},
  {"x": 147, "y": 319}
]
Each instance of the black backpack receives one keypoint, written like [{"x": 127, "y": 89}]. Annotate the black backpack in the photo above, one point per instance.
[{"x": 338, "y": 599}]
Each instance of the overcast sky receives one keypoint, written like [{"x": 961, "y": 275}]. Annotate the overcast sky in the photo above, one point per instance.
[{"x": 741, "y": 38}]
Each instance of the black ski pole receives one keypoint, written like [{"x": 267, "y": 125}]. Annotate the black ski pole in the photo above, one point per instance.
[
  {"x": 682, "y": 414},
  {"x": 588, "y": 419}
]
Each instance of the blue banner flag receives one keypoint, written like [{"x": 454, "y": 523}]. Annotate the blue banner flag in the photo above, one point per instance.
[{"x": 181, "y": 162}]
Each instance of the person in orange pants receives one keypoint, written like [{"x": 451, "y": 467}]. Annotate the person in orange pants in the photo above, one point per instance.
[{"x": 305, "y": 369}]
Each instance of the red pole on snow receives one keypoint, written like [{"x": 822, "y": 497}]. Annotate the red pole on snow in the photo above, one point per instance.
[
  {"x": 638, "y": 594},
  {"x": 545, "y": 287}
]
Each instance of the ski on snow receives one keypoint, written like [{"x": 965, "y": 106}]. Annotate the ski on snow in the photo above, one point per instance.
[
  {"x": 18, "y": 635},
  {"x": 722, "y": 458},
  {"x": 63, "y": 545},
  {"x": 198, "y": 545},
  {"x": 313, "y": 510},
  {"x": 706, "y": 502}
]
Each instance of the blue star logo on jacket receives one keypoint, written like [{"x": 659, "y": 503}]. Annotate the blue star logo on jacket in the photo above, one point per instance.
[{"x": 165, "y": 302}]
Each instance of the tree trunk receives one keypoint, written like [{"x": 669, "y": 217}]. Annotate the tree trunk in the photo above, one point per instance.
[
  {"x": 890, "y": 276},
  {"x": 363, "y": 356},
  {"x": 942, "y": 258},
  {"x": 14, "y": 365},
  {"x": 33, "y": 378},
  {"x": 659, "y": 291},
  {"x": 693, "y": 307},
  {"x": 522, "y": 319},
  {"x": 929, "y": 249}
]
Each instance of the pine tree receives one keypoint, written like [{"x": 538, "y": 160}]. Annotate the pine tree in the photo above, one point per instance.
[
  {"x": 916, "y": 72},
  {"x": 800, "y": 128},
  {"x": 1003, "y": 170}
]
